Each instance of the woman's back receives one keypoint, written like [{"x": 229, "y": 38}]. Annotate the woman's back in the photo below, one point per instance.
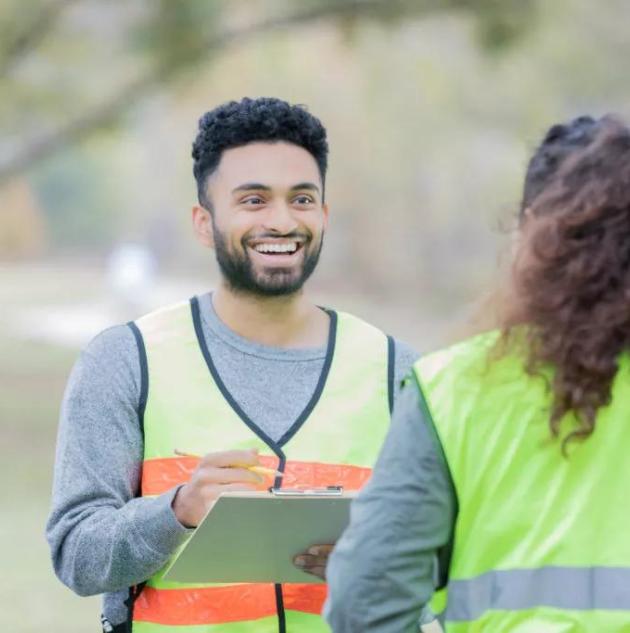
[
  {"x": 533, "y": 423},
  {"x": 540, "y": 535}
]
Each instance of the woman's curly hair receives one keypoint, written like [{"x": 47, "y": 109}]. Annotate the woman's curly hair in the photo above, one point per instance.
[{"x": 570, "y": 283}]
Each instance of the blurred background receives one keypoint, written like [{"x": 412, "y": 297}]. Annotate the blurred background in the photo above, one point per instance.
[{"x": 432, "y": 108}]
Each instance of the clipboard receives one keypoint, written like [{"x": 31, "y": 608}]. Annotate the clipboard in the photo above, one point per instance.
[{"x": 253, "y": 536}]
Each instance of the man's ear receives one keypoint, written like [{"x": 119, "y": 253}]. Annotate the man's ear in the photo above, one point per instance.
[{"x": 202, "y": 225}]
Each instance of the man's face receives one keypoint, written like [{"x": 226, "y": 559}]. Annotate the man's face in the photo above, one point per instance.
[{"x": 268, "y": 219}]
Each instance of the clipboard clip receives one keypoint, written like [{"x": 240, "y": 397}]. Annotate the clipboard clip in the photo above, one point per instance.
[{"x": 328, "y": 491}]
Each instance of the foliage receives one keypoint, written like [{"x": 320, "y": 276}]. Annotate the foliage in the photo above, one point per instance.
[{"x": 162, "y": 39}]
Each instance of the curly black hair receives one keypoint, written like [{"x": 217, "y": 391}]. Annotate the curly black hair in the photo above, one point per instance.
[
  {"x": 560, "y": 142},
  {"x": 265, "y": 119}
]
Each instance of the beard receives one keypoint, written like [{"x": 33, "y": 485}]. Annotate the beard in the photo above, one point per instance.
[{"x": 241, "y": 275}]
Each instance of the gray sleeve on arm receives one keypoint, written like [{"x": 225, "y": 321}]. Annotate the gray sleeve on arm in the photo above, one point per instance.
[
  {"x": 404, "y": 358},
  {"x": 381, "y": 573},
  {"x": 102, "y": 538}
]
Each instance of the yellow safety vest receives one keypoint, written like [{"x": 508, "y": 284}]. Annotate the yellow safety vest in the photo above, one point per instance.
[
  {"x": 335, "y": 441},
  {"x": 542, "y": 542}
]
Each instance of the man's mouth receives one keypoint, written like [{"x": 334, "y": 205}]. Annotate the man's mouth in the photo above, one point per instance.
[
  {"x": 274, "y": 247},
  {"x": 277, "y": 250}
]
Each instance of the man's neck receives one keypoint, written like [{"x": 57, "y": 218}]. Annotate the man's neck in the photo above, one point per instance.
[{"x": 291, "y": 321}]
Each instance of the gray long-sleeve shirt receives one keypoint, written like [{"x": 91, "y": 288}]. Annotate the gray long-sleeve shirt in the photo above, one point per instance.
[
  {"x": 102, "y": 538},
  {"x": 382, "y": 571}
]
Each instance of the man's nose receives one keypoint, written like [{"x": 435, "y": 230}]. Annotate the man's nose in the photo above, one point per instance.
[{"x": 280, "y": 219}]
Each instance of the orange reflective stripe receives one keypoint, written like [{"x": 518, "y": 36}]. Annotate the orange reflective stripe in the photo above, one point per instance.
[
  {"x": 216, "y": 605},
  {"x": 211, "y": 605},
  {"x": 321, "y": 474},
  {"x": 162, "y": 474},
  {"x": 305, "y": 598}
]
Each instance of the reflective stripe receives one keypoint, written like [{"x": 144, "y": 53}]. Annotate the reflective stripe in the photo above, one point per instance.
[
  {"x": 239, "y": 602},
  {"x": 189, "y": 409},
  {"x": 160, "y": 475},
  {"x": 582, "y": 588},
  {"x": 224, "y": 603}
]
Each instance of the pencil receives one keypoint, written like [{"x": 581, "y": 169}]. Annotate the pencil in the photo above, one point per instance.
[
  {"x": 258, "y": 470},
  {"x": 263, "y": 470}
]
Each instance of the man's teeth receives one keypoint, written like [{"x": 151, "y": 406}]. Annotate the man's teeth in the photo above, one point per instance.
[{"x": 276, "y": 248}]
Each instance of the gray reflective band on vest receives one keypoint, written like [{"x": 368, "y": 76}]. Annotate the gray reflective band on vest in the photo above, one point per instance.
[{"x": 581, "y": 588}]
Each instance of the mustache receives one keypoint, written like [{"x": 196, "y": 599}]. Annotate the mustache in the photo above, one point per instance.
[{"x": 295, "y": 235}]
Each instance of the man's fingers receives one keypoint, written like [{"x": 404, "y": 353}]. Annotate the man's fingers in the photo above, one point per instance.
[
  {"x": 316, "y": 561},
  {"x": 314, "y": 565},
  {"x": 320, "y": 572},
  {"x": 308, "y": 561},
  {"x": 320, "y": 550},
  {"x": 226, "y": 459},
  {"x": 215, "y": 475}
]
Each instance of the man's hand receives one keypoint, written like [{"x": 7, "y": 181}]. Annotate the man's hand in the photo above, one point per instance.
[
  {"x": 216, "y": 473},
  {"x": 314, "y": 560}
]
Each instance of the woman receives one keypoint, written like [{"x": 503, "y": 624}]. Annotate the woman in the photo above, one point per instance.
[{"x": 505, "y": 476}]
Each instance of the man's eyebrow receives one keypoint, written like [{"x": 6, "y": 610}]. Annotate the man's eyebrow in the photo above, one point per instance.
[
  {"x": 305, "y": 185},
  {"x": 257, "y": 186},
  {"x": 251, "y": 186}
]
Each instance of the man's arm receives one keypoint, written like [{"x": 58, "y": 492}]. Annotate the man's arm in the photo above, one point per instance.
[
  {"x": 381, "y": 572},
  {"x": 102, "y": 538}
]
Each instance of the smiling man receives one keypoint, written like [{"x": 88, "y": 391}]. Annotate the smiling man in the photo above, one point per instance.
[{"x": 253, "y": 373}]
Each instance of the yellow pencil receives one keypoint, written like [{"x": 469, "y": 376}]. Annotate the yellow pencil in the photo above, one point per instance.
[
  {"x": 259, "y": 470},
  {"x": 263, "y": 470}
]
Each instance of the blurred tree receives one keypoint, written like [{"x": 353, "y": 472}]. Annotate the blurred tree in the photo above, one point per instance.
[
  {"x": 82, "y": 212},
  {"x": 22, "y": 228},
  {"x": 132, "y": 49}
]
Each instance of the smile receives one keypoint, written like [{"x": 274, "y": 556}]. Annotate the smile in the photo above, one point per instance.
[{"x": 277, "y": 248}]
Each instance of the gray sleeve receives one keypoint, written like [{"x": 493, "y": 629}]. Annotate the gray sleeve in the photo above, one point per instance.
[
  {"x": 381, "y": 572},
  {"x": 102, "y": 538},
  {"x": 404, "y": 358}
]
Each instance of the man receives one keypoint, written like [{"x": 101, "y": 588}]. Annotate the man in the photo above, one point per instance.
[{"x": 254, "y": 373}]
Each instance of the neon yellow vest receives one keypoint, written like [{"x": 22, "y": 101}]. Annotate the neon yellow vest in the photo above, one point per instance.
[
  {"x": 334, "y": 441},
  {"x": 542, "y": 543}
]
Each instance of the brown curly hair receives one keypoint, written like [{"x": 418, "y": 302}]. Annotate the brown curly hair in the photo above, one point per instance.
[{"x": 570, "y": 283}]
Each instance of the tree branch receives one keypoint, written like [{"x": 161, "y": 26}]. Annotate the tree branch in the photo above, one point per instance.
[
  {"x": 19, "y": 44},
  {"x": 80, "y": 127}
]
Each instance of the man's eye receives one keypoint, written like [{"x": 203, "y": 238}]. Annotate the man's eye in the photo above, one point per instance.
[
  {"x": 304, "y": 199},
  {"x": 252, "y": 201}
]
